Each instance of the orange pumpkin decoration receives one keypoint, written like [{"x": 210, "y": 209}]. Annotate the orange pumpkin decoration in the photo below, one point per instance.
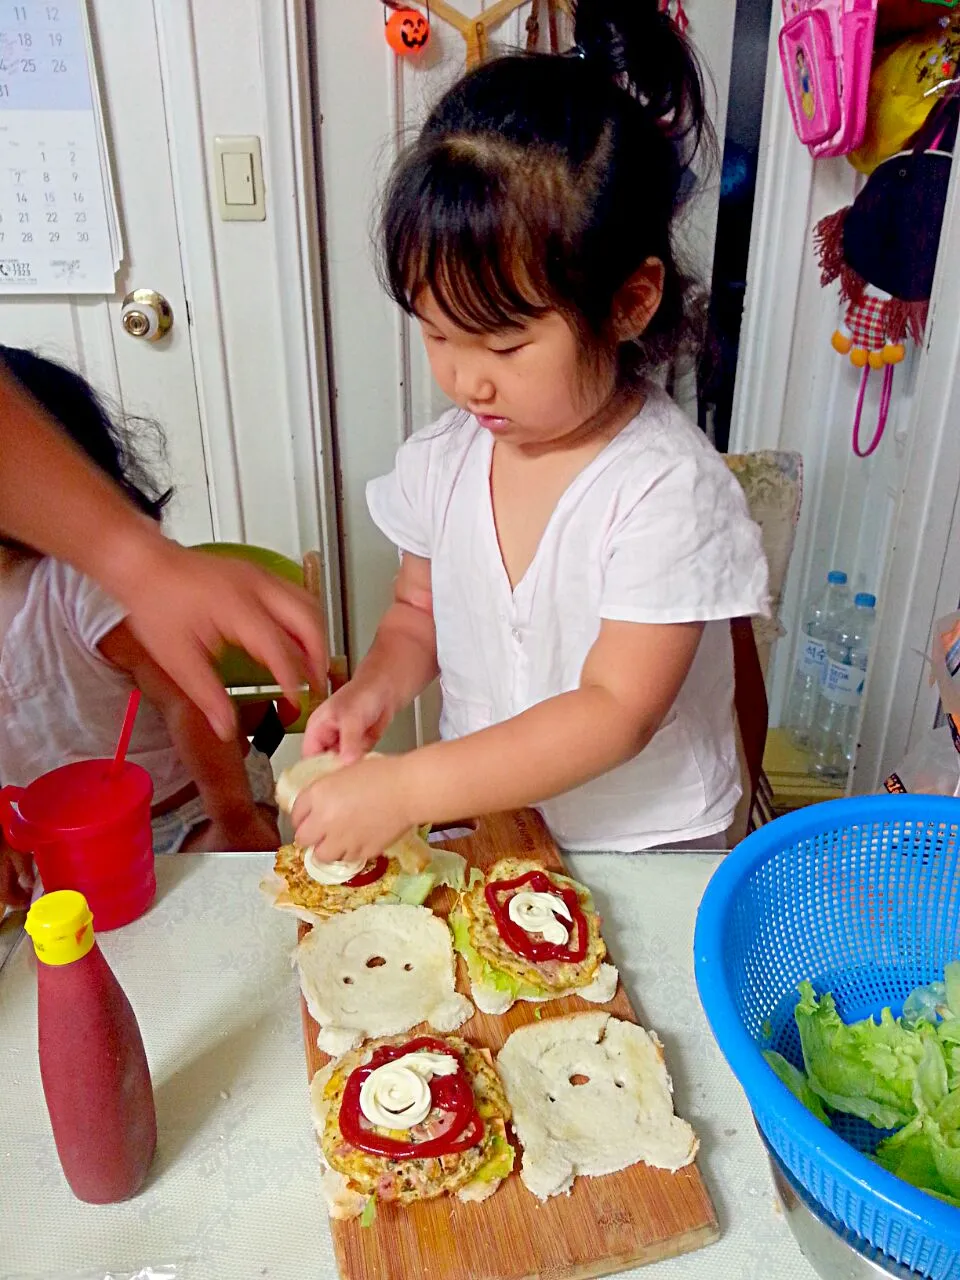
[{"x": 408, "y": 31}]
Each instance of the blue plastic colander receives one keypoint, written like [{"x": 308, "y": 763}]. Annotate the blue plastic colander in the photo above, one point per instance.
[{"x": 863, "y": 898}]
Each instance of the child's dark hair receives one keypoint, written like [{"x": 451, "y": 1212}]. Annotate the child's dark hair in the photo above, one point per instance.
[
  {"x": 80, "y": 413},
  {"x": 545, "y": 181}
]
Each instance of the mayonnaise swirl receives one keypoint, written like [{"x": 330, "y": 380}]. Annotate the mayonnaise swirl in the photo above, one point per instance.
[
  {"x": 330, "y": 872},
  {"x": 397, "y": 1095},
  {"x": 534, "y": 912}
]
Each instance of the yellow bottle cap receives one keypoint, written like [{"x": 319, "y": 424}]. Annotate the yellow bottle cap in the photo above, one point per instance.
[{"x": 61, "y": 926}]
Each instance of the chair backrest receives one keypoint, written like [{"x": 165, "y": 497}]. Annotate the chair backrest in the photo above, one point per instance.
[
  {"x": 250, "y": 682},
  {"x": 773, "y": 485}
]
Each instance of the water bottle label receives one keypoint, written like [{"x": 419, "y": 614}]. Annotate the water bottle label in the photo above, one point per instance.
[
  {"x": 812, "y": 657},
  {"x": 843, "y": 684}
]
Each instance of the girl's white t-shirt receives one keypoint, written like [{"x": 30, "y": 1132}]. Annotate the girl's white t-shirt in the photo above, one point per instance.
[{"x": 654, "y": 530}]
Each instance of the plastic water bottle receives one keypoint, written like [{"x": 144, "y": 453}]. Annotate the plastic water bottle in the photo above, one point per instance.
[
  {"x": 838, "y": 710},
  {"x": 820, "y": 618}
]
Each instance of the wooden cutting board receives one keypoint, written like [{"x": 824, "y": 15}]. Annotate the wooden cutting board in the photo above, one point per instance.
[{"x": 605, "y": 1225}]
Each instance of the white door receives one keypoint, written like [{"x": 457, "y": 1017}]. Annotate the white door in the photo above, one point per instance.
[{"x": 154, "y": 380}]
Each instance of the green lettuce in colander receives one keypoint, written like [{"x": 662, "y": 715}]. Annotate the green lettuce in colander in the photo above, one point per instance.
[{"x": 900, "y": 1074}]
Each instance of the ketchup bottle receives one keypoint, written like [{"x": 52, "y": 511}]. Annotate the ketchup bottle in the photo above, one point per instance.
[{"x": 92, "y": 1063}]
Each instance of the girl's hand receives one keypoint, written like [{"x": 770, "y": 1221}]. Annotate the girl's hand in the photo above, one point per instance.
[
  {"x": 252, "y": 832},
  {"x": 351, "y": 721},
  {"x": 354, "y": 813},
  {"x": 16, "y": 878}
]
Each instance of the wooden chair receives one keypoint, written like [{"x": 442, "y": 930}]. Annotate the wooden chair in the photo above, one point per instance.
[
  {"x": 265, "y": 715},
  {"x": 773, "y": 485}
]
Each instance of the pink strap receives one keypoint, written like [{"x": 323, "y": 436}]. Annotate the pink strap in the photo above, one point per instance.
[{"x": 885, "y": 395}]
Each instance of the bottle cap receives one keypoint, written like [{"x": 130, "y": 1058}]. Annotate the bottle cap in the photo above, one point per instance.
[
  {"x": 865, "y": 600},
  {"x": 837, "y": 577},
  {"x": 61, "y": 926}
]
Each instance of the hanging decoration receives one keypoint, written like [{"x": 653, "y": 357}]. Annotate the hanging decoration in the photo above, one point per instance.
[
  {"x": 883, "y": 250},
  {"x": 678, "y": 14},
  {"x": 908, "y": 80},
  {"x": 476, "y": 30},
  {"x": 407, "y": 30},
  {"x": 534, "y": 26}
]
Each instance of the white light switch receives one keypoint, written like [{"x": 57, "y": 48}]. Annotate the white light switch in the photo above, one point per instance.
[
  {"x": 238, "y": 173},
  {"x": 237, "y": 178}
]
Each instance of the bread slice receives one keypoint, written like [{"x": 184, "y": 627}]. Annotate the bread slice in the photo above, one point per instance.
[
  {"x": 590, "y": 1095},
  {"x": 412, "y": 852},
  {"x": 379, "y": 971},
  {"x": 353, "y": 1177}
]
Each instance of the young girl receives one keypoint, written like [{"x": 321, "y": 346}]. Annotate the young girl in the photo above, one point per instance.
[
  {"x": 572, "y": 547},
  {"x": 68, "y": 661}
]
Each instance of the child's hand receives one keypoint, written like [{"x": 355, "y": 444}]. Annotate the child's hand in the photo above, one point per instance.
[
  {"x": 350, "y": 722},
  {"x": 16, "y": 878},
  {"x": 354, "y": 813},
  {"x": 253, "y": 832}
]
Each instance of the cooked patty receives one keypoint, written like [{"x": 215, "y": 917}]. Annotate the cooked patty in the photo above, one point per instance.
[
  {"x": 413, "y": 1179},
  {"x": 554, "y": 975},
  {"x": 328, "y": 899}
]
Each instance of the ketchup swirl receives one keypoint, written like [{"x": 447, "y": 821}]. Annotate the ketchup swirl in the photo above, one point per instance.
[
  {"x": 498, "y": 894},
  {"x": 451, "y": 1095},
  {"x": 372, "y": 872}
]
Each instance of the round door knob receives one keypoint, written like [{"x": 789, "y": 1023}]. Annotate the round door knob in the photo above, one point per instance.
[{"x": 146, "y": 314}]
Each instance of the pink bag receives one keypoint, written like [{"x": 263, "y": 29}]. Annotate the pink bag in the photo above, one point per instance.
[{"x": 826, "y": 50}]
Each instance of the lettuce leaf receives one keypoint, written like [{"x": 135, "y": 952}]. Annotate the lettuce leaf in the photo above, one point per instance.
[
  {"x": 866, "y": 1069},
  {"x": 796, "y": 1082},
  {"x": 926, "y": 1152},
  {"x": 500, "y": 1163},
  {"x": 369, "y": 1215},
  {"x": 413, "y": 890},
  {"x": 484, "y": 973}
]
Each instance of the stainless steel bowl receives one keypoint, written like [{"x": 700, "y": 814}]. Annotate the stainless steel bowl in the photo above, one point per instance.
[{"x": 833, "y": 1250}]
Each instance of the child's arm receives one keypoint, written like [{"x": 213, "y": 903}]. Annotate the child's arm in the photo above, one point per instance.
[
  {"x": 216, "y": 766},
  {"x": 401, "y": 662},
  {"x": 629, "y": 682}
]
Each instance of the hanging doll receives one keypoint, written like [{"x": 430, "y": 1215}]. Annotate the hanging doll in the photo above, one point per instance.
[{"x": 883, "y": 250}]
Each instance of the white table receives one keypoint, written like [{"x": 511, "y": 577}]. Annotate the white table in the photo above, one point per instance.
[{"x": 234, "y": 1191}]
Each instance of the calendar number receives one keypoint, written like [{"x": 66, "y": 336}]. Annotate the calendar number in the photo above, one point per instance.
[{"x": 56, "y": 210}]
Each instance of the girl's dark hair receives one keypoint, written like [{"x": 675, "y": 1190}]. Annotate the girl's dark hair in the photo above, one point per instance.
[
  {"x": 545, "y": 181},
  {"x": 80, "y": 413}
]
